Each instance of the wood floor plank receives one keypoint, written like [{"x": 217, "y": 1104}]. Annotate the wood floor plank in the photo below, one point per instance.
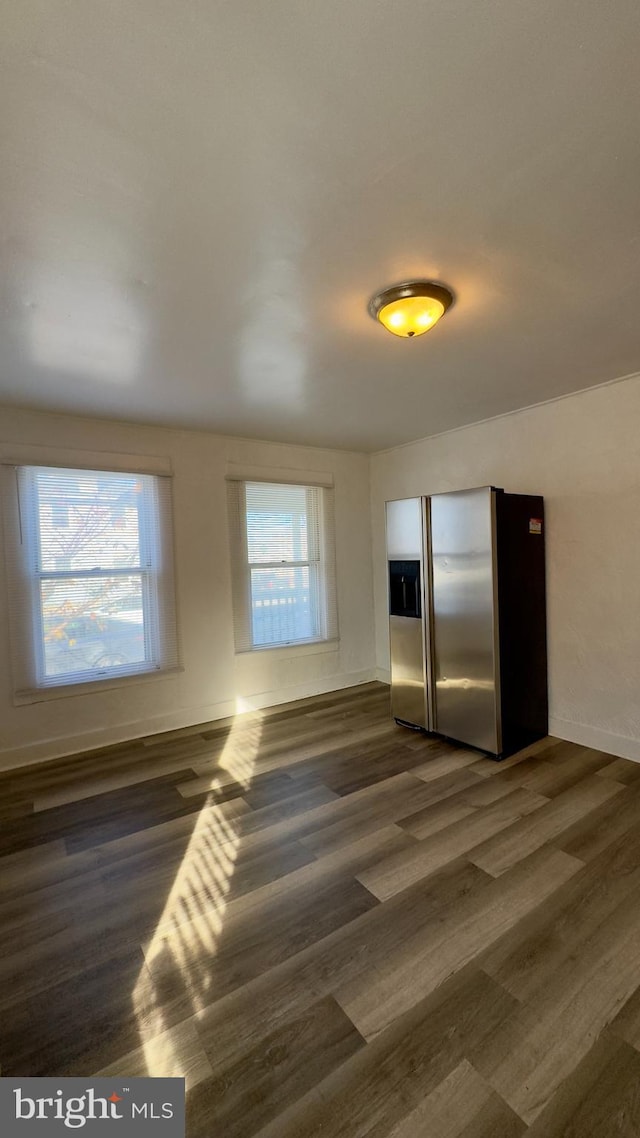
[
  {"x": 488, "y": 768},
  {"x": 277, "y": 757},
  {"x": 626, "y": 1024},
  {"x": 28, "y": 933},
  {"x": 385, "y": 802},
  {"x": 195, "y": 959},
  {"x": 505, "y": 849},
  {"x": 355, "y": 768},
  {"x": 529, "y": 956},
  {"x": 484, "y": 792},
  {"x": 552, "y": 778},
  {"x": 537, "y": 1048},
  {"x": 300, "y": 802},
  {"x": 590, "y": 835},
  {"x": 600, "y": 1099},
  {"x": 327, "y": 872},
  {"x": 551, "y": 771},
  {"x": 78, "y": 773},
  {"x": 375, "y": 999},
  {"x": 175, "y": 1052},
  {"x": 404, "y": 868},
  {"x": 221, "y": 818},
  {"x": 63, "y": 953},
  {"x": 444, "y": 762},
  {"x": 84, "y": 1023},
  {"x": 622, "y": 770},
  {"x": 462, "y": 1104},
  {"x": 130, "y": 776},
  {"x": 368, "y": 941},
  {"x": 85, "y": 822},
  {"x": 252, "y": 753},
  {"x": 433, "y": 819},
  {"x": 205, "y": 879},
  {"x": 32, "y": 862},
  {"x": 380, "y": 1085},
  {"x": 274, "y": 1074}
]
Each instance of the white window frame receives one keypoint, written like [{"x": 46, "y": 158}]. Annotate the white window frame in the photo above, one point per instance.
[
  {"x": 321, "y": 570},
  {"x": 21, "y": 531}
]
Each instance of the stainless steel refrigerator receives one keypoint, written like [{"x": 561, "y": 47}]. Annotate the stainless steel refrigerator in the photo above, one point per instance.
[{"x": 467, "y": 617}]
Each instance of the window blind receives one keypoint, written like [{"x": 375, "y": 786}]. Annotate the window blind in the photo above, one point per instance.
[
  {"x": 90, "y": 572},
  {"x": 283, "y": 562}
]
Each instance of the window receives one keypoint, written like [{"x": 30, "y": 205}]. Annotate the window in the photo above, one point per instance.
[
  {"x": 283, "y": 564},
  {"x": 90, "y": 575}
]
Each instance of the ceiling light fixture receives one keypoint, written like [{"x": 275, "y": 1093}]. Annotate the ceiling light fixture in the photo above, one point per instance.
[{"x": 411, "y": 308}]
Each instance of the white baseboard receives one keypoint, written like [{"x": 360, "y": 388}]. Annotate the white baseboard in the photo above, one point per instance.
[
  {"x": 45, "y": 749},
  {"x": 302, "y": 691},
  {"x": 16, "y": 757},
  {"x": 622, "y": 746}
]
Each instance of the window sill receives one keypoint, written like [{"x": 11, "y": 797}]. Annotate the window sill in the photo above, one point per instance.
[
  {"x": 294, "y": 648},
  {"x": 91, "y": 687}
]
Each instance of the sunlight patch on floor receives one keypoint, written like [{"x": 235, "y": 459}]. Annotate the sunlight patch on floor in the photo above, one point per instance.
[{"x": 187, "y": 933}]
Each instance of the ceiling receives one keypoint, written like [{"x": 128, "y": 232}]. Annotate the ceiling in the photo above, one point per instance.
[{"x": 197, "y": 198}]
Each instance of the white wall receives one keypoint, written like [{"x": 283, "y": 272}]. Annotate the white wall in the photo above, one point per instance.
[
  {"x": 214, "y": 678},
  {"x": 583, "y": 454}
]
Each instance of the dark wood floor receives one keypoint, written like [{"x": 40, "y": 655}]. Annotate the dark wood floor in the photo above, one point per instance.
[{"x": 331, "y": 926}]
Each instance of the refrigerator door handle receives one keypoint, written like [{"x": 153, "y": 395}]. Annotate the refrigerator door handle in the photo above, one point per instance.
[{"x": 428, "y": 617}]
